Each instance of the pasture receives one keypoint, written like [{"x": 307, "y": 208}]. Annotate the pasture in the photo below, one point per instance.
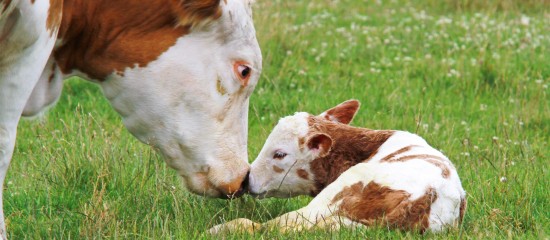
[{"x": 469, "y": 76}]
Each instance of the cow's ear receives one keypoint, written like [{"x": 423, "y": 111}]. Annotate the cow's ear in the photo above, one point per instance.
[
  {"x": 193, "y": 12},
  {"x": 343, "y": 112},
  {"x": 319, "y": 144}
]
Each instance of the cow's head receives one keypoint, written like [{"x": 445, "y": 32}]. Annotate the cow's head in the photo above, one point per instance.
[
  {"x": 183, "y": 75},
  {"x": 283, "y": 167}
]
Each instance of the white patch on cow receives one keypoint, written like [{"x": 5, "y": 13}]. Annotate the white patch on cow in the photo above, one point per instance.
[
  {"x": 47, "y": 90},
  {"x": 174, "y": 104}
]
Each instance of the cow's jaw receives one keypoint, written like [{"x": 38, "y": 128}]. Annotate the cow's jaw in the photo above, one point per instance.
[{"x": 191, "y": 105}]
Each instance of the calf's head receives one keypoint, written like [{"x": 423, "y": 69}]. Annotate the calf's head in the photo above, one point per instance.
[
  {"x": 190, "y": 101},
  {"x": 283, "y": 167}
]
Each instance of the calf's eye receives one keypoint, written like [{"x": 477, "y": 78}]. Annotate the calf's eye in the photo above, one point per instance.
[{"x": 279, "y": 155}]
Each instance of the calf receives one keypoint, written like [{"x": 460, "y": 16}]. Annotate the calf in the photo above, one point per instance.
[{"x": 357, "y": 176}]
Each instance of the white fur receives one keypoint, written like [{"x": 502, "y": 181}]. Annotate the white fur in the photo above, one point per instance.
[
  {"x": 173, "y": 102},
  {"x": 263, "y": 181}
]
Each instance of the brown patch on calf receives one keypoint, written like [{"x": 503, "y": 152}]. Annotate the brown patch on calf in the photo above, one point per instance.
[
  {"x": 303, "y": 174},
  {"x": 54, "y": 16},
  {"x": 343, "y": 112},
  {"x": 102, "y": 37},
  {"x": 278, "y": 169},
  {"x": 433, "y": 159},
  {"x": 350, "y": 146},
  {"x": 392, "y": 155},
  {"x": 374, "y": 204}
]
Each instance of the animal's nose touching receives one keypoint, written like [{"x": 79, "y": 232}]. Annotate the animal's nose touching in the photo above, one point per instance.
[
  {"x": 236, "y": 189},
  {"x": 236, "y": 192}
]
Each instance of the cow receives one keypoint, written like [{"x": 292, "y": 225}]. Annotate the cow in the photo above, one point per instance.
[
  {"x": 358, "y": 177},
  {"x": 179, "y": 72}
]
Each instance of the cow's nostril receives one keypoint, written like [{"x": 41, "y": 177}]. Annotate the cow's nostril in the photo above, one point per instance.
[
  {"x": 244, "y": 185},
  {"x": 243, "y": 188}
]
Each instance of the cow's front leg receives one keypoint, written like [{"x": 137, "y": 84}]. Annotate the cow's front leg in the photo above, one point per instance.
[{"x": 25, "y": 45}]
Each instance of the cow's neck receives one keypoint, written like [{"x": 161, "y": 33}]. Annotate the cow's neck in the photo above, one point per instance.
[
  {"x": 351, "y": 146},
  {"x": 102, "y": 37}
]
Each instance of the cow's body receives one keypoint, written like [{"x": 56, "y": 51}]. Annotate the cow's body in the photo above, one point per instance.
[
  {"x": 180, "y": 73},
  {"x": 359, "y": 177}
]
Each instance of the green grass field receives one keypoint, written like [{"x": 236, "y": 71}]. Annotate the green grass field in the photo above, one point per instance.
[{"x": 470, "y": 76}]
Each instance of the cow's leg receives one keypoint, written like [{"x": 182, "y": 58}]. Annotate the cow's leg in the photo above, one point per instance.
[{"x": 26, "y": 45}]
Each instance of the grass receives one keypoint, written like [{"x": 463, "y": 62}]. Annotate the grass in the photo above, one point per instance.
[{"x": 470, "y": 76}]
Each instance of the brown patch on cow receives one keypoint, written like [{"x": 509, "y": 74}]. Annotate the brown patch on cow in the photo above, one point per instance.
[
  {"x": 374, "y": 204},
  {"x": 278, "y": 169},
  {"x": 463, "y": 205},
  {"x": 344, "y": 112},
  {"x": 350, "y": 146},
  {"x": 192, "y": 12},
  {"x": 433, "y": 159},
  {"x": 32, "y": 1},
  {"x": 102, "y": 37},
  {"x": 302, "y": 173},
  {"x": 54, "y": 16}
]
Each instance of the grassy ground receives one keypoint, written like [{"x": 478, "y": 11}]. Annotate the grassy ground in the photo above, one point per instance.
[{"x": 470, "y": 76}]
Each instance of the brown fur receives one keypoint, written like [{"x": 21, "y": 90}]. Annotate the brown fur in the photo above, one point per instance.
[
  {"x": 101, "y": 37},
  {"x": 350, "y": 146},
  {"x": 344, "y": 112},
  {"x": 435, "y": 160},
  {"x": 54, "y": 16},
  {"x": 392, "y": 155},
  {"x": 303, "y": 174},
  {"x": 193, "y": 12},
  {"x": 278, "y": 169},
  {"x": 375, "y": 204}
]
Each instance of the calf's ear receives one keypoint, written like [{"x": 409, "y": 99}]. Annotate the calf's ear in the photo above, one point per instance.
[
  {"x": 343, "y": 112},
  {"x": 319, "y": 144}
]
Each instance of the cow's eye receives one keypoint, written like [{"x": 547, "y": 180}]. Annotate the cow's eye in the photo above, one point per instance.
[
  {"x": 279, "y": 155},
  {"x": 244, "y": 71}
]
